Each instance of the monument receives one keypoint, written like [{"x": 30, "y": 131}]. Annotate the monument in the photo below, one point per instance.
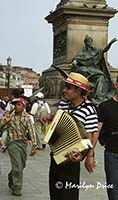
[
  {"x": 72, "y": 20},
  {"x": 91, "y": 63}
]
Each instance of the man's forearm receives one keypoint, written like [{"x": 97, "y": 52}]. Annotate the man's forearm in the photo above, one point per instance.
[{"x": 93, "y": 137}]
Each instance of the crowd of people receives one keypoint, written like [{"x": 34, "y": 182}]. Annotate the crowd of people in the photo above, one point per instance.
[{"x": 31, "y": 123}]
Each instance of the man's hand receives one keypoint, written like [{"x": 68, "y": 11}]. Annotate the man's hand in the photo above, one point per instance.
[
  {"x": 90, "y": 164},
  {"x": 33, "y": 151},
  {"x": 7, "y": 117},
  {"x": 74, "y": 156},
  {"x": 47, "y": 118}
]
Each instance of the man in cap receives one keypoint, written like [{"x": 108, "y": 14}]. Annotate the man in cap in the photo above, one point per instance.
[
  {"x": 108, "y": 127},
  {"x": 76, "y": 88},
  {"x": 39, "y": 109},
  {"x": 20, "y": 129},
  {"x": 38, "y": 103}
]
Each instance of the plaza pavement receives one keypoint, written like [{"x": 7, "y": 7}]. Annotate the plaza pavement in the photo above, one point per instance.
[{"x": 35, "y": 185}]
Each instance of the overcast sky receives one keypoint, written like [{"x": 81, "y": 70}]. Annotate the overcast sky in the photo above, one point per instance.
[{"x": 26, "y": 36}]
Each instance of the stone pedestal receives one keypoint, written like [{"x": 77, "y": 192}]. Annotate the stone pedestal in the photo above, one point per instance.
[
  {"x": 71, "y": 21},
  {"x": 81, "y": 3}
]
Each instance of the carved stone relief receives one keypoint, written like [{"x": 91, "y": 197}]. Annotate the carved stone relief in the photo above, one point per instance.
[{"x": 60, "y": 44}]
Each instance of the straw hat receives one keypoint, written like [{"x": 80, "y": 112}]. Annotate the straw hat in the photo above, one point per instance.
[{"x": 78, "y": 80}]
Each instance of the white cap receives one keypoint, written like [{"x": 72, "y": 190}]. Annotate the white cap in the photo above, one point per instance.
[{"x": 40, "y": 95}]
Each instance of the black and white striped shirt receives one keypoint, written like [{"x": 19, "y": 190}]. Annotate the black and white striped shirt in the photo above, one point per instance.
[{"x": 85, "y": 112}]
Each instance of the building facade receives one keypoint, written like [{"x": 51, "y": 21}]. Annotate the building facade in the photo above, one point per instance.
[{"x": 18, "y": 76}]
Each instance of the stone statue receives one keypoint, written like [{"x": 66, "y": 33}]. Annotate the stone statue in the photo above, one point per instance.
[{"x": 91, "y": 63}]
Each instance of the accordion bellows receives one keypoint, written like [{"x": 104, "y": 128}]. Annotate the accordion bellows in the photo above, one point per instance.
[{"x": 66, "y": 134}]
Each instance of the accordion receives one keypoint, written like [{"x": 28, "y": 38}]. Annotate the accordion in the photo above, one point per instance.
[{"x": 66, "y": 134}]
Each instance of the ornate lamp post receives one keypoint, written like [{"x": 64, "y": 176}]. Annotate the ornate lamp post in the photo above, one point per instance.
[{"x": 9, "y": 60}]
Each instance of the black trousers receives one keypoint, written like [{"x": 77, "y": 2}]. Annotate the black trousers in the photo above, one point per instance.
[{"x": 64, "y": 181}]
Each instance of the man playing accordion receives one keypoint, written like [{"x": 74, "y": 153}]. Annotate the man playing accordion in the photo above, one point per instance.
[{"x": 75, "y": 103}]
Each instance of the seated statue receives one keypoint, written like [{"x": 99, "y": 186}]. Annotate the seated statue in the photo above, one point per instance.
[{"x": 91, "y": 63}]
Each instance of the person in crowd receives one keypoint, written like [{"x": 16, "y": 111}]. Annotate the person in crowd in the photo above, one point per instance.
[
  {"x": 108, "y": 127},
  {"x": 6, "y": 100},
  {"x": 2, "y": 133},
  {"x": 20, "y": 129},
  {"x": 28, "y": 110},
  {"x": 39, "y": 109},
  {"x": 2, "y": 109},
  {"x": 76, "y": 87},
  {"x": 8, "y": 109},
  {"x": 31, "y": 117},
  {"x": 13, "y": 95},
  {"x": 20, "y": 93}
]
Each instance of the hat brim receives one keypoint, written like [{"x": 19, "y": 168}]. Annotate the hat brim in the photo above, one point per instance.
[
  {"x": 84, "y": 87},
  {"x": 13, "y": 102}
]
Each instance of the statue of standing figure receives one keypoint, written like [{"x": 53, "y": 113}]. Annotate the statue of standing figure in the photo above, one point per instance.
[{"x": 91, "y": 63}]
